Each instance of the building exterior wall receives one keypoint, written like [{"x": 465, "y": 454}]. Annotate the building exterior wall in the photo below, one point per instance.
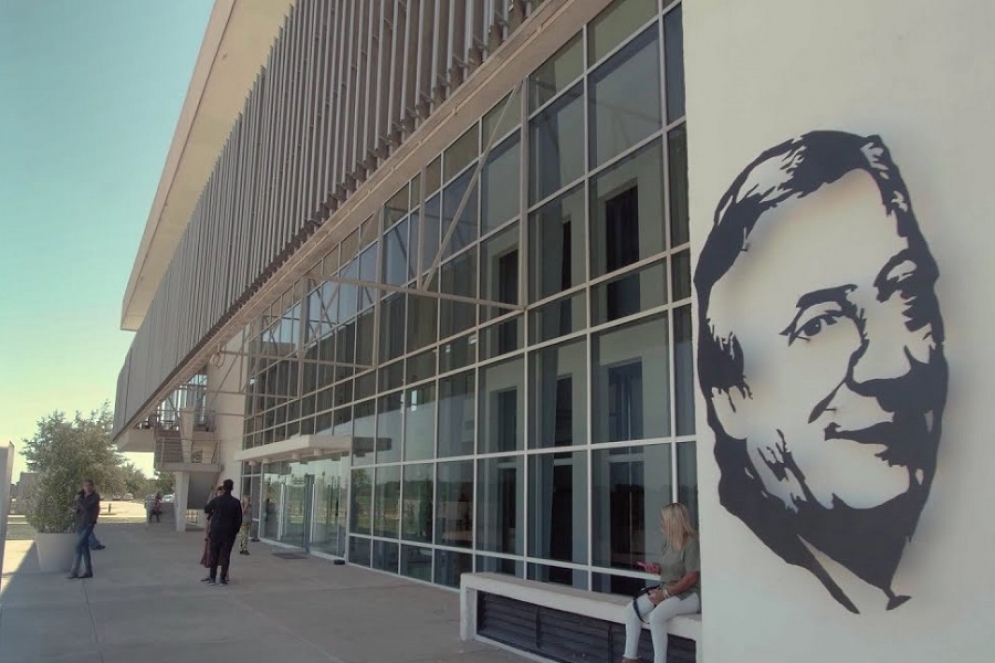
[{"x": 762, "y": 72}]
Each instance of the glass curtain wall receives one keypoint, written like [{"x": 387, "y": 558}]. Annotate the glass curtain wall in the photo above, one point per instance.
[{"x": 536, "y": 425}]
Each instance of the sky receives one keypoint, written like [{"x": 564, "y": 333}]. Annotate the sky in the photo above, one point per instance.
[{"x": 90, "y": 92}]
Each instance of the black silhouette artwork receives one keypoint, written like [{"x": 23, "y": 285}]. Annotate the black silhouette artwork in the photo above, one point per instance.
[{"x": 820, "y": 356}]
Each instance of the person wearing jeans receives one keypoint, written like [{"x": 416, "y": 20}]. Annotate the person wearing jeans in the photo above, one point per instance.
[
  {"x": 94, "y": 542},
  {"x": 679, "y": 590},
  {"x": 85, "y": 513}
]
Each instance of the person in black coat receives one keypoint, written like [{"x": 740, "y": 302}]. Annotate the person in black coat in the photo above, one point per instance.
[{"x": 225, "y": 513}]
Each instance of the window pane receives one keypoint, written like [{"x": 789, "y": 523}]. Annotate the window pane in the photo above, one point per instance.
[
  {"x": 359, "y": 551},
  {"x": 500, "y": 504},
  {"x": 422, "y": 321},
  {"x": 431, "y": 229},
  {"x": 512, "y": 118},
  {"x": 499, "y": 270},
  {"x": 508, "y": 567},
  {"x": 419, "y": 423},
  {"x": 502, "y": 406},
  {"x": 559, "y": 318},
  {"x": 499, "y": 184},
  {"x": 502, "y": 338},
  {"x": 364, "y": 429},
  {"x": 391, "y": 376},
  {"x": 458, "y": 277},
  {"x": 366, "y": 385},
  {"x": 556, "y": 149},
  {"x": 610, "y": 584},
  {"x": 677, "y": 145},
  {"x": 362, "y": 501},
  {"x": 681, "y": 275},
  {"x": 385, "y": 556},
  {"x": 624, "y": 104},
  {"x": 449, "y": 566},
  {"x": 417, "y": 519},
  {"x": 396, "y": 251},
  {"x": 395, "y": 208},
  {"x": 421, "y": 367},
  {"x": 345, "y": 348},
  {"x": 457, "y": 353},
  {"x": 556, "y": 245},
  {"x": 465, "y": 232},
  {"x": 673, "y": 39},
  {"x": 459, "y": 155},
  {"x": 558, "y": 506},
  {"x": 613, "y": 25},
  {"x": 556, "y": 73},
  {"x": 454, "y": 512},
  {"x": 366, "y": 332},
  {"x": 416, "y": 563},
  {"x": 559, "y": 575},
  {"x": 387, "y": 502},
  {"x": 683, "y": 372},
  {"x": 687, "y": 479},
  {"x": 631, "y": 383},
  {"x": 630, "y": 486},
  {"x": 456, "y": 415},
  {"x": 389, "y": 428},
  {"x": 433, "y": 175},
  {"x": 632, "y": 293},
  {"x": 558, "y": 394},
  {"x": 331, "y": 489},
  {"x": 627, "y": 220}
]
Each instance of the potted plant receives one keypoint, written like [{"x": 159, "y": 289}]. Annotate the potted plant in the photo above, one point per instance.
[
  {"x": 65, "y": 452},
  {"x": 49, "y": 513}
]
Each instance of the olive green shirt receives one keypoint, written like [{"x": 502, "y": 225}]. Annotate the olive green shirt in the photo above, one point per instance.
[{"x": 675, "y": 564}]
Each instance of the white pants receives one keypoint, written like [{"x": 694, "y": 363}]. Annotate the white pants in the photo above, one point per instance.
[{"x": 657, "y": 617}]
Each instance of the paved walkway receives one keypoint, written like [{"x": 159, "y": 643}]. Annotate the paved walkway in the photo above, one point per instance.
[{"x": 146, "y": 604}]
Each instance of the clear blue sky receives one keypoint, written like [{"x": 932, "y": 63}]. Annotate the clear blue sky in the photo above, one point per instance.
[{"x": 90, "y": 91}]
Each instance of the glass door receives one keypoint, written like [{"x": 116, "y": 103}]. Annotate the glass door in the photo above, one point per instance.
[{"x": 330, "y": 520}]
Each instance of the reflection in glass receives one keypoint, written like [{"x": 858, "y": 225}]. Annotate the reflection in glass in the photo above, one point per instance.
[
  {"x": 361, "y": 503},
  {"x": 624, "y": 98},
  {"x": 359, "y": 551},
  {"x": 502, "y": 406},
  {"x": 556, "y": 153},
  {"x": 364, "y": 433},
  {"x": 459, "y": 155},
  {"x": 561, "y": 69},
  {"x": 456, "y": 415},
  {"x": 558, "y": 393},
  {"x": 673, "y": 39},
  {"x": 559, "y": 318},
  {"x": 416, "y": 563},
  {"x": 457, "y": 353},
  {"x": 502, "y": 337},
  {"x": 422, "y": 321},
  {"x": 683, "y": 372},
  {"x": 454, "y": 510},
  {"x": 500, "y": 505},
  {"x": 627, "y": 219},
  {"x": 331, "y": 491},
  {"x": 419, "y": 423},
  {"x": 558, "y": 506},
  {"x": 681, "y": 276},
  {"x": 630, "y": 485},
  {"x": 615, "y": 24},
  {"x": 465, "y": 232},
  {"x": 421, "y": 367},
  {"x": 632, "y": 293},
  {"x": 630, "y": 387},
  {"x": 687, "y": 479},
  {"x": 458, "y": 277},
  {"x": 389, "y": 428},
  {"x": 508, "y": 567},
  {"x": 416, "y": 521},
  {"x": 557, "y": 246},
  {"x": 449, "y": 566},
  {"x": 387, "y": 502},
  {"x": 385, "y": 556},
  {"x": 431, "y": 231},
  {"x": 499, "y": 269},
  {"x": 392, "y": 326},
  {"x": 508, "y": 120},
  {"x": 677, "y": 167},
  {"x": 559, "y": 574}
]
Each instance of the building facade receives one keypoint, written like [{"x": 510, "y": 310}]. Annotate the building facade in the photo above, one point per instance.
[{"x": 448, "y": 289}]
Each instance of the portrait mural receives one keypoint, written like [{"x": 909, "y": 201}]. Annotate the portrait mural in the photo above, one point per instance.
[{"x": 820, "y": 357}]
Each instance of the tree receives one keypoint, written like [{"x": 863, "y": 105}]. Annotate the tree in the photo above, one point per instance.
[
  {"x": 65, "y": 452},
  {"x": 163, "y": 482},
  {"x": 133, "y": 479}
]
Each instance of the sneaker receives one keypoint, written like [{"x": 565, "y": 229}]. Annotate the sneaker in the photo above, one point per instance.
[
  {"x": 72, "y": 576},
  {"x": 224, "y": 581},
  {"x": 212, "y": 581},
  {"x": 207, "y": 579},
  {"x": 100, "y": 547},
  {"x": 86, "y": 575}
]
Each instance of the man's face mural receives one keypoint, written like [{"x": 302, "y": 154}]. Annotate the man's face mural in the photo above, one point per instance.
[{"x": 821, "y": 351}]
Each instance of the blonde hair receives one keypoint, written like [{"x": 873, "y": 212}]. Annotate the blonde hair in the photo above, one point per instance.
[{"x": 676, "y": 522}]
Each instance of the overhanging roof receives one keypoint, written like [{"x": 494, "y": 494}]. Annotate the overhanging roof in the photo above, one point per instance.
[
  {"x": 297, "y": 447},
  {"x": 236, "y": 44}
]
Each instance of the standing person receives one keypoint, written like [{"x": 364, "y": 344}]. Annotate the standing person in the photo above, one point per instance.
[
  {"x": 226, "y": 519},
  {"x": 243, "y": 542},
  {"x": 679, "y": 589},
  {"x": 85, "y": 511},
  {"x": 205, "y": 558},
  {"x": 156, "y": 508}
]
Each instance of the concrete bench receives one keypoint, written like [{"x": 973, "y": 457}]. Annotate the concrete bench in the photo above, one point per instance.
[{"x": 605, "y": 607}]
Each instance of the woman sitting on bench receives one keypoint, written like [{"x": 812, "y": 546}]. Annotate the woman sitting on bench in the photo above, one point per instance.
[{"x": 679, "y": 588}]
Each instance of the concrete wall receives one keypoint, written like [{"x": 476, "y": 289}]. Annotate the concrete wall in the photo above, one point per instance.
[
  {"x": 228, "y": 377},
  {"x": 758, "y": 73},
  {"x": 6, "y": 472}
]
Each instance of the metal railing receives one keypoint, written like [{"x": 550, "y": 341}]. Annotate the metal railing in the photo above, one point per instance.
[{"x": 169, "y": 449}]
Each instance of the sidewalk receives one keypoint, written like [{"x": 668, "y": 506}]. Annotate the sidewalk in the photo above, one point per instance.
[{"x": 146, "y": 604}]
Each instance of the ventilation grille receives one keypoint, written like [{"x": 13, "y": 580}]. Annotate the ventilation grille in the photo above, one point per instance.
[{"x": 564, "y": 636}]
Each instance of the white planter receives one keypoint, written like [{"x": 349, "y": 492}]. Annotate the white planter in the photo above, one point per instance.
[{"x": 55, "y": 551}]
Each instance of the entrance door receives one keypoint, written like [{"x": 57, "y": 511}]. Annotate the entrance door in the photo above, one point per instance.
[{"x": 331, "y": 498}]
